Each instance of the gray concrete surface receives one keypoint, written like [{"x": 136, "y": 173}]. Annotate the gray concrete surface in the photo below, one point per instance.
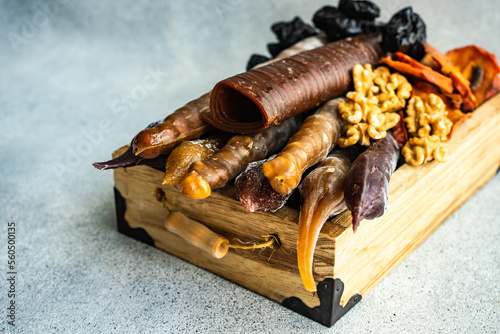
[{"x": 72, "y": 90}]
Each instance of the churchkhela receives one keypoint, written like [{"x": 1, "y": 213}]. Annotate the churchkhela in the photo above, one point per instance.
[
  {"x": 189, "y": 151},
  {"x": 366, "y": 187},
  {"x": 322, "y": 194},
  {"x": 313, "y": 141}
]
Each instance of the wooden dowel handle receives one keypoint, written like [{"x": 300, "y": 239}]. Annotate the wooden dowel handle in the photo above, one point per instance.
[{"x": 197, "y": 234}]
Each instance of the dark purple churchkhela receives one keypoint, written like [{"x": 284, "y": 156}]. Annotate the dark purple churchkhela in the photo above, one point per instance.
[
  {"x": 366, "y": 187},
  {"x": 261, "y": 97}
]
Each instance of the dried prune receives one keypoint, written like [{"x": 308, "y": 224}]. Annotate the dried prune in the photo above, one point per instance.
[
  {"x": 289, "y": 33},
  {"x": 255, "y": 60},
  {"x": 405, "y": 32},
  {"x": 361, "y": 9},
  {"x": 274, "y": 49},
  {"x": 337, "y": 24}
]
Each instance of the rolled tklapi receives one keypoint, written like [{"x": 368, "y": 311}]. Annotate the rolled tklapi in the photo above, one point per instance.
[{"x": 264, "y": 96}]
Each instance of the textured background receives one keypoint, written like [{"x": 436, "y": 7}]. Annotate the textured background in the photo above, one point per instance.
[{"x": 71, "y": 92}]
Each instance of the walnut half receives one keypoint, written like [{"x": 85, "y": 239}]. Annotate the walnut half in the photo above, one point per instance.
[
  {"x": 373, "y": 105},
  {"x": 428, "y": 124},
  {"x": 418, "y": 150}
]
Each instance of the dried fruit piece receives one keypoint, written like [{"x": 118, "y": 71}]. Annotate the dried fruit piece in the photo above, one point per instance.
[
  {"x": 322, "y": 196},
  {"x": 479, "y": 67},
  {"x": 289, "y": 33},
  {"x": 366, "y": 186},
  {"x": 351, "y": 18},
  {"x": 407, "y": 65},
  {"x": 405, "y": 32},
  {"x": 311, "y": 144},
  {"x": 234, "y": 157},
  {"x": 399, "y": 130},
  {"x": 361, "y": 9},
  {"x": 181, "y": 158},
  {"x": 461, "y": 84},
  {"x": 255, "y": 192}
]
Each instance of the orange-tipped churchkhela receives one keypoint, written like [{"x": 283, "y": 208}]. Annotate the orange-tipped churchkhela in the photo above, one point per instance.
[
  {"x": 311, "y": 144},
  {"x": 189, "y": 151}
]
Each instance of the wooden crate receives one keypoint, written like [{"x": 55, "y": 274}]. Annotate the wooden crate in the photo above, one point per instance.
[{"x": 346, "y": 265}]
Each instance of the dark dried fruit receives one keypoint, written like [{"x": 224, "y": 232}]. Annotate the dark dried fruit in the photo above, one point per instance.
[
  {"x": 255, "y": 60},
  {"x": 274, "y": 49},
  {"x": 337, "y": 24},
  {"x": 361, "y": 9},
  {"x": 255, "y": 192},
  {"x": 289, "y": 33},
  {"x": 405, "y": 32}
]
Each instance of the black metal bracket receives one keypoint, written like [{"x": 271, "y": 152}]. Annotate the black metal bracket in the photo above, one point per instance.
[
  {"x": 329, "y": 311},
  {"x": 123, "y": 225}
]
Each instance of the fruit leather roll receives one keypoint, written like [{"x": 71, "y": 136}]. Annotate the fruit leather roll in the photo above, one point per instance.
[{"x": 261, "y": 97}]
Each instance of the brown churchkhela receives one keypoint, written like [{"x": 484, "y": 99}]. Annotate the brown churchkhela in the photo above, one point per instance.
[
  {"x": 311, "y": 144},
  {"x": 184, "y": 124},
  {"x": 234, "y": 157},
  {"x": 254, "y": 100}
]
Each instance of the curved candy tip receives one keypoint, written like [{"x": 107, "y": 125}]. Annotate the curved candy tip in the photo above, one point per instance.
[
  {"x": 356, "y": 219},
  {"x": 194, "y": 186},
  {"x": 305, "y": 270},
  {"x": 309, "y": 284},
  {"x": 101, "y": 165},
  {"x": 127, "y": 159}
]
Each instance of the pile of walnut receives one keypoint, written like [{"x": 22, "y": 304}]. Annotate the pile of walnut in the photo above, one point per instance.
[{"x": 372, "y": 109}]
